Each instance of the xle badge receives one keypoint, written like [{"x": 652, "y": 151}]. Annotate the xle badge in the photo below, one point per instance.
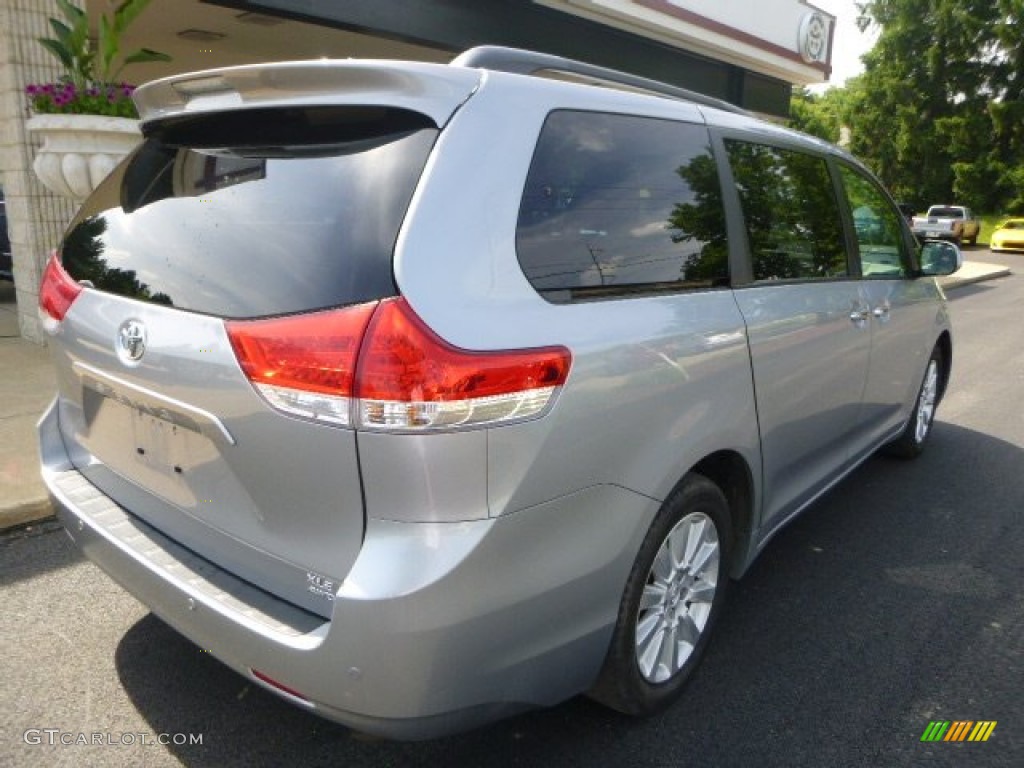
[{"x": 320, "y": 585}]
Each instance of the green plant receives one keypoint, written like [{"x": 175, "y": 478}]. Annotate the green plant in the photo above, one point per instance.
[
  {"x": 90, "y": 84},
  {"x": 989, "y": 223}
]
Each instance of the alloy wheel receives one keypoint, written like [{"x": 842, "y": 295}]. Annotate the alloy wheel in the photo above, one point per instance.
[{"x": 677, "y": 597}]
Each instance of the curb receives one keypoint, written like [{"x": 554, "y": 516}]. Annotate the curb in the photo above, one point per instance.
[
  {"x": 33, "y": 511},
  {"x": 956, "y": 282}
]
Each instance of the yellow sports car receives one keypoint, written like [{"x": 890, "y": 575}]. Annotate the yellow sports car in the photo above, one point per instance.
[{"x": 1009, "y": 236}]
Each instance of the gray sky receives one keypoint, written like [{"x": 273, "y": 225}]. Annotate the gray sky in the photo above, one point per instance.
[{"x": 848, "y": 44}]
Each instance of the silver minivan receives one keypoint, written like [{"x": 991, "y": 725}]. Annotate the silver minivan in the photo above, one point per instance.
[{"x": 420, "y": 395}]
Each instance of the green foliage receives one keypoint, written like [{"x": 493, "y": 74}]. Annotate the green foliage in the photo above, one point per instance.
[
  {"x": 71, "y": 43},
  {"x": 939, "y": 111},
  {"x": 90, "y": 71},
  {"x": 701, "y": 220},
  {"x": 989, "y": 223},
  {"x": 820, "y": 116},
  {"x": 806, "y": 114},
  {"x": 109, "y": 44}
]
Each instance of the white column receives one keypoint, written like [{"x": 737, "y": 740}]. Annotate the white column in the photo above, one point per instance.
[{"x": 35, "y": 218}]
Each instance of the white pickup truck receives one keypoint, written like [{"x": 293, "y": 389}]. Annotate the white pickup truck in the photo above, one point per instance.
[{"x": 947, "y": 222}]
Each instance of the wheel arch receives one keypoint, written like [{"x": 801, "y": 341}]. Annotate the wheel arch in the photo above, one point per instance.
[
  {"x": 730, "y": 472},
  {"x": 945, "y": 344}
]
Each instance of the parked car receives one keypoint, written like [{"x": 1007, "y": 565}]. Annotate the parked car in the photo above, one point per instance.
[
  {"x": 948, "y": 222},
  {"x": 1009, "y": 236},
  {"x": 6, "y": 262},
  {"x": 420, "y": 395}
]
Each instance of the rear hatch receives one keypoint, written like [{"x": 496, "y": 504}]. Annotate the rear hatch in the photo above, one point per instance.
[{"x": 219, "y": 221}]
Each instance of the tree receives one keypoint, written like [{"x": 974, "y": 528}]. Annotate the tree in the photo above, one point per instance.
[
  {"x": 820, "y": 115},
  {"x": 939, "y": 110}
]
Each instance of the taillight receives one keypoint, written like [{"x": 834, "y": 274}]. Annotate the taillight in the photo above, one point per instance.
[
  {"x": 304, "y": 364},
  {"x": 379, "y": 366},
  {"x": 57, "y": 292},
  {"x": 410, "y": 379}
]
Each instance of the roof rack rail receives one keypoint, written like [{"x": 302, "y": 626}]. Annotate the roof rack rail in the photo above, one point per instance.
[{"x": 522, "y": 62}]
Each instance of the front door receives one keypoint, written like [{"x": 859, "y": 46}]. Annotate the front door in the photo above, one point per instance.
[{"x": 808, "y": 324}]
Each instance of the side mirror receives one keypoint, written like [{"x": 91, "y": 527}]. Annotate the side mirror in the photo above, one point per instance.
[{"x": 939, "y": 257}]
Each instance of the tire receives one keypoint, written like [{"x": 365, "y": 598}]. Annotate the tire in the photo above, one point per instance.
[
  {"x": 671, "y": 601},
  {"x": 911, "y": 441}
]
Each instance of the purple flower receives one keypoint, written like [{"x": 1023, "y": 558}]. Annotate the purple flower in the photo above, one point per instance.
[{"x": 65, "y": 97}]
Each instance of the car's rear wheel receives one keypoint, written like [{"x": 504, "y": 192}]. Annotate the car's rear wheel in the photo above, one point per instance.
[
  {"x": 672, "y": 599},
  {"x": 911, "y": 441}
]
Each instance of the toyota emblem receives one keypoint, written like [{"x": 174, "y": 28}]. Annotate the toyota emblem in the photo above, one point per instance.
[{"x": 131, "y": 341}]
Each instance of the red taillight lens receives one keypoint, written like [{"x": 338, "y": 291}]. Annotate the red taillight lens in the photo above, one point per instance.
[
  {"x": 303, "y": 364},
  {"x": 400, "y": 374},
  {"x": 57, "y": 292},
  {"x": 410, "y": 378}
]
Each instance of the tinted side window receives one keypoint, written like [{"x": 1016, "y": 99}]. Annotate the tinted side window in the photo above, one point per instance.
[
  {"x": 792, "y": 216},
  {"x": 879, "y": 235},
  {"x": 616, "y": 204}
]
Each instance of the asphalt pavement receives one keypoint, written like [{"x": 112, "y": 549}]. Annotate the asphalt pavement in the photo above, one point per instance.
[{"x": 895, "y": 601}]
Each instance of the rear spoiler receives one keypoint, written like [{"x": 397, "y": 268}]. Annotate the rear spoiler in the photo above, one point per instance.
[{"x": 435, "y": 90}]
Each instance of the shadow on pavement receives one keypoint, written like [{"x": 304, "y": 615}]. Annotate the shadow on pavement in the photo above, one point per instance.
[
  {"x": 836, "y": 649},
  {"x": 49, "y": 553}
]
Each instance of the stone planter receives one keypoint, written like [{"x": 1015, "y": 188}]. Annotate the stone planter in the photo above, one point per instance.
[{"x": 80, "y": 150}]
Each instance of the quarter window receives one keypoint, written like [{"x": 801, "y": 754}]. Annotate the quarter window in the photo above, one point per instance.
[
  {"x": 793, "y": 222},
  {"x": 616, "y": 204}
]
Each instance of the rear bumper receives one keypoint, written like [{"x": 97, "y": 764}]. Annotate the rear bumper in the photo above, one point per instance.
[
  {"x": 923, "y": 234},
  {"x": 437, "y": 628}
]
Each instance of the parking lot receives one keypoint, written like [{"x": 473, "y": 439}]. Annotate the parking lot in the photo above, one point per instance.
[{"x": 897, "y": 600}]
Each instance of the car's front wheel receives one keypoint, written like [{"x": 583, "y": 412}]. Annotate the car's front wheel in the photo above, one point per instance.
[{"x": 672, "y": 599}]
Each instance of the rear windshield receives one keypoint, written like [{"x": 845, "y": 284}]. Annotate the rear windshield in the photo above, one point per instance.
[
  {"x": 255, "y": 213},
  {"x": 947, "y": 213}
]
